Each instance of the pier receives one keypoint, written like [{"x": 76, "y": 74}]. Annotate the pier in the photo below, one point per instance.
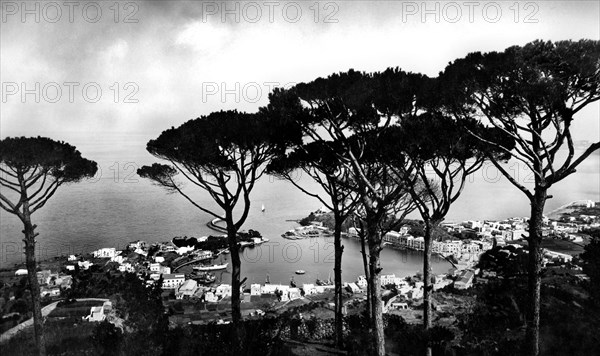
[{"x": 213, "y": 225}]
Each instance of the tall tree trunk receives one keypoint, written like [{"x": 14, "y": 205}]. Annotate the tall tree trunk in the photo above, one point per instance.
[
  {"x": 375, "y": 286},
  {"x": 534, "y": 270},
  {"x": 236, "y": 314},
  {"x": 38, "y": 321},
  {"x": 367, "y": 274},
  {"x": 337, "y": 271},
  {"x": 427, "y": 288}
]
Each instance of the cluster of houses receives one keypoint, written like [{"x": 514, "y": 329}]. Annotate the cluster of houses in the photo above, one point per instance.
[
  {"x": 51, "y": 283},
  {"x": 465, "y": 251},
  {"x": 413, "y": 290},
  {"x": 110, "y": 253},
  {"x": 189, "y": 288}
]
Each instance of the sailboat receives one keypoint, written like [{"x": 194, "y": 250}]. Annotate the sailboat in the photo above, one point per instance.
[{"x": 263, "y": 208}]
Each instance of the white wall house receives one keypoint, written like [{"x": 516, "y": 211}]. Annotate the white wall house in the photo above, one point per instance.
[
  {"x": 99, "y": 313},
  {"x": 465, "y": 280},
  {"x": 155, "y": 267},
  {"x": 361, "y": 282},
  {"x": 223, "y": 290},
  {"x": 309, "y": 289},
  {"x": 172, "y": 281},
  {"x": 255, "y": 289},
  {"x": 84, "y": 264},
  {"x": 187, "y": 289},
  {"x": 107, "y": 252}
]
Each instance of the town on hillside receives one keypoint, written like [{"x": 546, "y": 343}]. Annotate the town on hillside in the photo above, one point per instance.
[{"x": 475, "y": 248}]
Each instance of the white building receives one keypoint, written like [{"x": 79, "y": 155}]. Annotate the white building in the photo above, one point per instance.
[
  {"x": 84, "y": 264},
  {"x": 107, "y": 252},
  {"x": 465, "y": 280},
  {"x": 255, "y": 289},
  {"x": 353, "y": 287},
  {"x": 393, "y": 238},
  {"x": 99, "y": 313},
  {"x": 418, "y": 243},
  {"x": 210, "y": 297},
  {"x": 223, "y": 290},
  {"x": 285, "y": 293},
  {"x": 187, "y": 289},
  {"x": 294, "y": 293},
  {"x": 361, "y": 282},
  {"x": 309, "y": 289},
  {"x": 172, "y": 281}
]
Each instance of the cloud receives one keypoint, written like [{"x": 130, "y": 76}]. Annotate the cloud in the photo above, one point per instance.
[
  {"x": 203, "y": 37},
  {"x": 171, "y": 53}
]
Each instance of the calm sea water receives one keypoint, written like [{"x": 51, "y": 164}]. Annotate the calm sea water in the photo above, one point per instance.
[{"x": 117, "y": 207}]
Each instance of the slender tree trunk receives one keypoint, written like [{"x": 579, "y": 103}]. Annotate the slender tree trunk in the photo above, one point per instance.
[
  {"x": 367, "y": 274},
  {"x": 375, "y": 286},
  {"x": 534, "y": 270},
  {"x": 337, "y": 271},
  {"x": 427, "y": 288},
  {"x": 236, "y": 314},
  {"x": 38, "y": 321}
]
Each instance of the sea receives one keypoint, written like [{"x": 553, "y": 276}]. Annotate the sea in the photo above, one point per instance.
[{"x": 117, "y": 206}]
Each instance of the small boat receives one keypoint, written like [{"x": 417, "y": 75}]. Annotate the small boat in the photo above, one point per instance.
[
  {"x": 246, "y": 243},
  {"x": 292, "y": 283},
  {"x": 211, "y": 268},
  {"x": 300, "y": 271},
  {"x": 263, "y": 208},
  {"x": 321, "y": 282}
]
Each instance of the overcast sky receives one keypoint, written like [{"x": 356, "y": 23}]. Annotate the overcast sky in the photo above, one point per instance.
[{"x": 173, "y": 61}]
